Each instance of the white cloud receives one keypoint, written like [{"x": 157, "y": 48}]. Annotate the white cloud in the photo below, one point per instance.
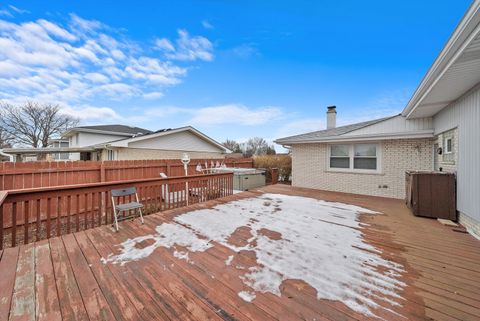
[
  {"x": 164, "y": 111},
  {"x": 18, "y": 10},
  {"x": 55, "y": 30},
  {"x": 84, "y": 25},
  {"x": 97, "y": 77},
  {"x": 245, "y": 50},
  {"x": 301, "y": 126},
  {"x": 5, "y": 13},
  {"x": 84, "y": 61},
  {"x": 153, "y": 95},
  {"x": 234, "y": 114},
  {"x": 164, "y": 44},
  {"x": 91, "y": 113},
  {"x": 207, "y": 25},
  {"x": 186, "y": 48}
]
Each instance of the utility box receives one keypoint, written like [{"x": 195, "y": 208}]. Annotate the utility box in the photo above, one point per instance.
[
  {"x": 247, "y": 181},
  {"x": 431, "y": 194}
]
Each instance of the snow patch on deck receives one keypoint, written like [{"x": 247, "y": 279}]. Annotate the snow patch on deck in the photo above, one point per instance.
[
  {"x": 321, "y": 243},
  {"x": 247, "y": 296}
]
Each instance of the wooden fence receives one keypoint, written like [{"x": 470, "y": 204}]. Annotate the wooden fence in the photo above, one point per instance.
[
  {"x": 30, "y": 215},
  {"x": 45, "y": 174}
]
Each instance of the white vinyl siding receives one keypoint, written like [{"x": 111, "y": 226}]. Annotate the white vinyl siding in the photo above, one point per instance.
[
  {"x": 464, "y": 114},
  {"x": 395, "y": 125},
  {"x": 181, "y": 141}
]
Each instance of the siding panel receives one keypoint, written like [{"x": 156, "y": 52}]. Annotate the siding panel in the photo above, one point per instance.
[
  {"x": 181, "y": 141},
  {"x": 465, "y": 114},
  {"x": 396, "y": 124}
]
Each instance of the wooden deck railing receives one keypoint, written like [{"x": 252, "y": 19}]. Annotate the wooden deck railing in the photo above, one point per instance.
[{"x": 29, "y": 215}]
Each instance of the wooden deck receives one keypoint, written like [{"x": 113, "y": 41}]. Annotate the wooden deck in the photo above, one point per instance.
[{"x": 63, "y": 278}]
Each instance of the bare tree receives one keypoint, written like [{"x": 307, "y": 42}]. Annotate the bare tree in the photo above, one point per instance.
[
  {"x": 5, "y": 139},
  {"x": 232, "y": 145},
  {"x": 33, "y": 124},
  {"x": 257, "y": 146}
]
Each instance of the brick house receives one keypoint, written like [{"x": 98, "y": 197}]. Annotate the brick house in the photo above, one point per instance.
[
  {"x": 364, "y": 158},
  {"x": 439, "y": 129}
]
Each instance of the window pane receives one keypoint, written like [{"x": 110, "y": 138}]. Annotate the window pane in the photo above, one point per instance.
[
  {"x": 339, "y": 162},
  {"x": 365, "y": 150},
  {"x": 365, "y": 163},
  {"x": 339, "y": 150},
  {"x": 449, "y": 145}
]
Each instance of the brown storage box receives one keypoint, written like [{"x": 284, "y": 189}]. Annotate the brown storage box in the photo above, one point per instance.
[{"x": 431, "y": 194}]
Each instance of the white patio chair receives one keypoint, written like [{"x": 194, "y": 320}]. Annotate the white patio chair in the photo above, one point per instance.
[{"x": 118, "y": 208}]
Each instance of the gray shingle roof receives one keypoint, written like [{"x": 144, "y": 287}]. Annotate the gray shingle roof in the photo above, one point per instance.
[
  {"x": 328, "y": 133},
  {"x": 117, "y": 129}
]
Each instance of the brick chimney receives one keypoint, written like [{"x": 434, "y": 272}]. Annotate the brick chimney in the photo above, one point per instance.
[{"x": 331, "y": 117}]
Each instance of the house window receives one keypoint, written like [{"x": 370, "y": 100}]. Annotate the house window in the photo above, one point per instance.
[
  {"x": 340, "y": 156},
  {"x": 110, "y": 154},
  {"x": 354, "y": 157},
  {"x": 448, "y": 145},
  {"x": 365, "y": 156}
]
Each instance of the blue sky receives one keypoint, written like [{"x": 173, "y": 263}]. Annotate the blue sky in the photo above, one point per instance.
[{"x": 232, "y": 69}]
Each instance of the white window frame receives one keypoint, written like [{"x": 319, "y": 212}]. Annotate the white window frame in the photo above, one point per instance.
[
  {"x": 111, "y": 154},
  {"x": 446, "y": 145},
  {"x": 351, "y": 153}
]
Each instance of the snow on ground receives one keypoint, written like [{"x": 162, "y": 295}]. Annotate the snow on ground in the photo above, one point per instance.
[{"x": 320, "y": 243}]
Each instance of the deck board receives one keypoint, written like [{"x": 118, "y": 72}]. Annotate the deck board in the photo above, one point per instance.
[
  {"x": 64, "y": 278},
  {"x": 23, "y": 300},
  {"x": 70, "y": 299},
  {"x": 8, "y": 268},
  {"x": 48, "y": 308}
]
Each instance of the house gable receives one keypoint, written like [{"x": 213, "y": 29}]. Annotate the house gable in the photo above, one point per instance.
[
  {"x": 182, "y": 141},
  {"x": 395, "y": 125}
]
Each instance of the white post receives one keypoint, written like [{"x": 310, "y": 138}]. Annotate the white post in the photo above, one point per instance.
[{"x": 186, "y": 161}]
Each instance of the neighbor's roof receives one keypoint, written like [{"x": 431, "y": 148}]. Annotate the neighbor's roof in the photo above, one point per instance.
[
  {"x": 164, "y": 132},
  {"x": 328, "y": 133},
  {"x": 116, "y": 129}
]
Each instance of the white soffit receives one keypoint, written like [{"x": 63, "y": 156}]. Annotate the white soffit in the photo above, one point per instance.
[{"x": 455, "y": 71}]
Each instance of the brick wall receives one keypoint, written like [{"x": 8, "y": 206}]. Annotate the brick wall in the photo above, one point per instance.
[
  {"x": 310, "y": 170},
  {"x": 447, "y": 162},
  {"x": 141, "y": 153}
]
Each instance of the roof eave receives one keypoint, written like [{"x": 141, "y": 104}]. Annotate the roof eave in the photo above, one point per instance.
[
  {"x": 418, "y": 134},
  {"x": 447, "y": 56},
  {"x": 95, "y": 131},
  {"x": 125, "y": 142}
]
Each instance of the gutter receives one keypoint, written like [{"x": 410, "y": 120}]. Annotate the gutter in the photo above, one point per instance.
[
  {"x": 343, "y": 138},
  {"x": 11, "y": 157}
]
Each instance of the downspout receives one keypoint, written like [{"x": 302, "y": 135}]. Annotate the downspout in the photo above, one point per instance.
[{"x": 6, "y": 155}]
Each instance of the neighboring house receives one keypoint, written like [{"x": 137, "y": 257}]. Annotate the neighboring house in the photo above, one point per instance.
[
  {"x": 90, "y": 136},
  {"x": 163, "y": 144},
  {"x": 59, "y": 143},
  {"x": 119, "y": 142},
  {"x": 439, "y": 129}
]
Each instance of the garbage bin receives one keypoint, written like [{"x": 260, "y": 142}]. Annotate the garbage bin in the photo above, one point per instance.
[{"x": 431, "y": 194}]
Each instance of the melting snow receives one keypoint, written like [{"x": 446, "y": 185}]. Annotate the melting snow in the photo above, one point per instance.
[
  {"x": 247, "y": 296},
  {"x": 321, "y": 243},
  {"x": 229, "y": 260}
]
